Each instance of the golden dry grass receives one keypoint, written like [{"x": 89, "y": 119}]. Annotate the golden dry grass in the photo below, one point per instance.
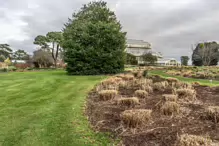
[
  {"x": 171, "y": 80},
  {"x": 170, "y": 108},
  {"x": 141, "y": 93},
  {"x": 160, "y": 86},
  {"x": 193, "y": 140},
  {"x": 212, "y": 113},
  {"x": 129, "y": 102},
  {"x": 169, "y": 97},
  {"x": 186, "y": 93},
  {"x": 136, "y": 117},
  {"x": 147, "y": 88},
  {"x": 107, "y": 94},
  {"x": 127, "y": 77}
]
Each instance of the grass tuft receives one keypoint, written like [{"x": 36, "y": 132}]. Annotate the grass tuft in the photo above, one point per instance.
[
  {"x": 107, "y": 94},
  {"x": 135, "y": 118},
  {"x": 170, "y": 108},
  {"x": 141, "y": 93},
  {"x": 129, "y": 102},
  {"x": 193, "y": 140}
]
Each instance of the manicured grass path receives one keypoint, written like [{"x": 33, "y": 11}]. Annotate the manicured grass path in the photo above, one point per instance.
[
  {"x": 45, "y": 109},
  {"x": 189, "y": 80}
]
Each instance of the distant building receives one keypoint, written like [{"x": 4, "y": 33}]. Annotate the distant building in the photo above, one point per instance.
[
  {"x": 168, "y": 62},
  {"x": 138, "y": 48},
  {"x": 18, "y": 61}
]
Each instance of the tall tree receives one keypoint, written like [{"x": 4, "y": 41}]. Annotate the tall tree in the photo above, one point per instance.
[
  {"x": 94, "y": 42},
  {"x": 51, "y": 42},
  {"x": 55, "y": 38},
  {"x": 149, "y": 58},
  {"x": 5, "y": 51},
  {"x": 20, "y": 55},
  {"x": 184, "y": 60},
  {"x": 206, "y": 54}
]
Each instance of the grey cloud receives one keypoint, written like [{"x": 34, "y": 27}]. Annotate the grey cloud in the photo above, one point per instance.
[{"x": 170, "y": 30}]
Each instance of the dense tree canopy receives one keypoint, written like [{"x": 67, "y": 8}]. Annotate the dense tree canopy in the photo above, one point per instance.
[
  {"x": 94, "y": 42},
  {"x": 184, "y": 60},
  {"x": 5, "y": 52},
  {"x": 206, "y": 54},
  {"x": 20, "y": 55}
]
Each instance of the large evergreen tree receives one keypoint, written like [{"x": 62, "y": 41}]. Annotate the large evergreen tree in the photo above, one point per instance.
[{"x": 94, "y": 42}]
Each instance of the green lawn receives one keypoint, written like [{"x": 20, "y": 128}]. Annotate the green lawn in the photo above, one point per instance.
[
  {"x": 189, "y": 80},
  {"x": 45, "y": 109}
]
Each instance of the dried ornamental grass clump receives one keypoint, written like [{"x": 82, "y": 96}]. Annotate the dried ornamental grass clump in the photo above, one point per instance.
[
  {"x": 172, "y": 80},
  {"x": 186, "y": 93},
  {"x": 107, "y": 94},
  {"x": 170, "y": 108},
  {"x": 147, "y": 88},
  {"x": 127, "y": 77},
  {"x": 193, "y": 140},
  {"x": 141, "y": 93},
  {"x": 169, "y": 97},
  {"x": 160, "y": 86},
  {"x": 129, "y": 102},
  {"x": 212, "y": 113},
  {"x": 136, "y": 117}
]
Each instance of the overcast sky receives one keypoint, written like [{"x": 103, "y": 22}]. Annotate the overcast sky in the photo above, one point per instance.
[{"x": 171, "y": 26}]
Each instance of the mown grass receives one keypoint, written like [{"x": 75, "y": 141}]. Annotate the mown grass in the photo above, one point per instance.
[
  {"x": 46, "y": 109},
  {"x": 189, "y": 80}
]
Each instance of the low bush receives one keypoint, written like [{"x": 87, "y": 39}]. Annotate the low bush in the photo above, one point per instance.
[
  {"x": 193, "y": 140},
  {"x": 136, "y": 117},
  {"x": 141, "y": 93},
  {"x": 129, "y": 102},
  {"x": 22, "y": 65},
  {"x": 107, "y": 94},
  {"x": 170, "y": 108},
  {"x": 3, "y": 69},
  {"x": 12, "y": 68}
]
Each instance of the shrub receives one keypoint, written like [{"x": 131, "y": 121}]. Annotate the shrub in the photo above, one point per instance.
[
  {"x": 170, "y": 108},
  {"x": 136, "y": 117},
  {"x": 141, "y": 94},
  {"x": 22, "y": 65},
  {"x": 212, "y": 113},
  {"x": 131, "y": 59},
  {"x": 130, "y": 102},
  {"x": 12, "y": 68},
  {"x": 107, "y": 94},
  {"x": 97, "y": 46},
  {"x": 3, "y": 69},
  {"x": 145, "y": 73},
  {"x": 193, "y": 140}
]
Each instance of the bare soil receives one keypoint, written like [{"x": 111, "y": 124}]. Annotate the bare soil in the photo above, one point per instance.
[{"x": 163, "y": 130}]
